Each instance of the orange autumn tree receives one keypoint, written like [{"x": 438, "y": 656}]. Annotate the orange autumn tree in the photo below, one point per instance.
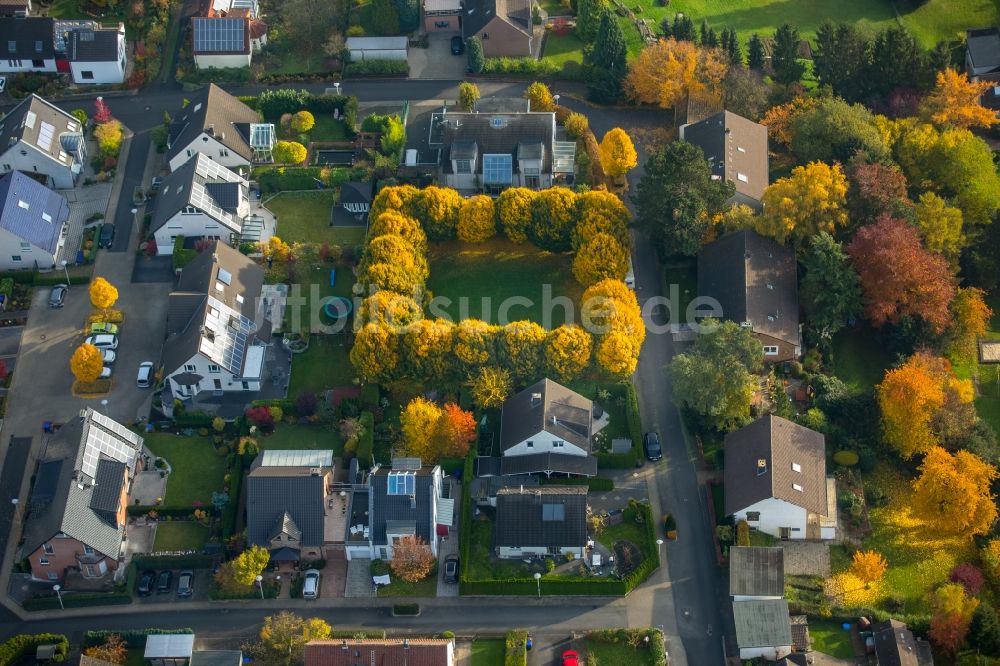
[
  {"x": 955, "y": 102},
  {"x": 457, "y": 429},
  {"x": 869, "y": 566},
  {"x": 780, "y": 119},
  {"x": 670, "y": 72},
  {"x": 431, "y": 432},
  {"x": 970, "y": 320},
  {"x": 412, "y": 559},
  {"x": 953, "y": 492}
]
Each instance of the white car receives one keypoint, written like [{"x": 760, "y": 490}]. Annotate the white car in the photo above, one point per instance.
[
  {"x": 103, "y": 341},
  {"x": 310, "y": 586},
  {"x": 108, "y": 356},
  {"x": 145, "y": 377},
  {"x": 106, "y": 372}
]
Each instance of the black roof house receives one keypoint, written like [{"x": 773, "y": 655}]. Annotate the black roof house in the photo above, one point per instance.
[
  {"x": 400, "y": 499},
  {"x": 546, "y": 516},
  {"x": 27, "y": 38}
]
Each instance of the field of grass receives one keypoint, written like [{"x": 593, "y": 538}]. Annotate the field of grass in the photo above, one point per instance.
[
  {"x": 949, "y": 19},
  {"x": 312, "y": 283},
  {"x": 197, "y": 468},
  {"x": 293, "y": 436},
  {"x": 478, "y": 279},
  {"x": 324, "y": 365},
  {"x": 179, "y": 535},
  {"x": 305, "y": 217},
  {"x": 618, "y": 654},
  {"x": 566, "y": 51},
  {"x": 858, "y": 359},
  {"x": 487, "y": 652},
  {"x": 829, "y": 638}
]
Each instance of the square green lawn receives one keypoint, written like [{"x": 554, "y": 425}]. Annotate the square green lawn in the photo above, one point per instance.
[
  {"x": 327, "y": 128},
  {"x": 488, "y": 652},
  {"x": 326, "y": 364},
  {"x": 400, "y": 588},
  {"x": 312, "y": 282},
  {"x": 565, "y": 51},
  {"x": 179, "y": 535},
  {"x": 497, "y": 270},
  {"x": 197, "y": 469},
  {"x": 305, "y": 217},
  {"x": 294, "y": 436},
  {"x": 830, "y": 638},
  {"x": 858, "y": 359},
  {"x": 618, "y": 654}
]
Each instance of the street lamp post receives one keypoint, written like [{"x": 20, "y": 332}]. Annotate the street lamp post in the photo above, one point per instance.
[
  {"x": 538, "y": 583},
  {"x": 336, "y": 87},
  {"x": 556, "y": 98},
  {"x": 66, "y": 270},
  {"x": 57, "y": 588},
  {"x": 659, "y": 542},
  {"x": 260, "y": 584}
]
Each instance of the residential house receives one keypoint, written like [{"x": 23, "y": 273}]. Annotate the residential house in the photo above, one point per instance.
[
  {"x": 756, "y": 572},
  {"x": 33, "y": 223},
  {"x": 204, "y": 199},
  {"x": 503, "y": 26},
  {"x": 548, "y": 520},
  {"x": 217, "y": 332},
  {"x": 26, "y": 44},
  {"x": 442, "y": 16},
  {"x": 982, "y": 62},
  {"x": 775, "y": 479},
  {"x": 286, "y": 495},
  {"x": 763, "y": 629},
  {"x": 76, "y": 514},
  {"x": 169, "y": 649},
  {"x": 97, "y": 55},
  {"x": 753, "y": 281},
  {"x": 221, "y": 42},
  {"x": 223, "y": 8},
  {"x": 381, "y": 652},
  {"x": 220, "y": 127},
  {"x": 377, "y": 48},
  {"x": 15, "y": 8},
  {"x": 406, "y": 499},
  {"x": 736, "y": 150},
  {"x": 40, "y": 138},
  {"x": 895, "y": 645}
]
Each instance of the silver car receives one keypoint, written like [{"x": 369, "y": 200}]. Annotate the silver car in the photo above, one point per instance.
[
  {"x": 145, "y": 376},
  {"x": 58, "y": 295},
  {"x": 103, "y": 341},
  {"x": 108, "y": 356}
]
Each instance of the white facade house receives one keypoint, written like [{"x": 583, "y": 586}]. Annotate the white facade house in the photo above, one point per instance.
[
  {"x": 42, "y": 139},
  {"x": 545, "y": 520},
  {"x": 221, "y": 42},
  {"x": 33, "y": 224},
  {"x": 97, "y": 56},
  {"x": 27, "y": 45}
]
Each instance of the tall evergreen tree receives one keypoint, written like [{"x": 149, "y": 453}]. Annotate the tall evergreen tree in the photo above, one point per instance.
[
  {"x": 409, "y": 14},
  {"x": 711, "y": 39},
  {"x": 784, "y": 58},
  {"x": 703, "y": 32},
  {"x": 731, "y": 45},
  {"x": 683, "y": 29},
  {"x": 477, "y": 60},
  {"x": 588, "y": 19},
  {"x": 842, "y": 60},
  {"x": 607, "y": 62},
  {"x": 755, "y": 52},
  {"x": 938, "y": 60},
  {"x": 385, "y": 18},
  {"x": 897, "y": 62}
]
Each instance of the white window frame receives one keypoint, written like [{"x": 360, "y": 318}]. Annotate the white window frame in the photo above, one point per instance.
[{"x": 770, "y": 350}]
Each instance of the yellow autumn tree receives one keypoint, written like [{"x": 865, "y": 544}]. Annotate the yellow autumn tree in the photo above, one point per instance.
[
  {"x": 389, "y": 308},
  {"x": 289, "y": 152},
  {"x": 491, "y": 387},
  {"x": 375, "y": 353},
  {"x": 418, "y": 424},
  {"x": 953, "y": 492},
  {"x": 610, "y": 305},
  {"x": 600, "y": 258},
  {"x": 955, "y": 101},
  {"x": 86, "y": 363},
  {"x": 567, "y": 351},
  {"x": 618, "y": 155},
  {"x": 951, "y": 599},
  {"x": 437, "y": 209},
  {"x": 302, "y": 122},
  {"x": 908, "y": 397},
  {"x": 940, "y": 226},
  {"x": 513, "y": 212},
  {"x": 812, "y": 199},
  {"x": 395, "y": 222},
  {"x": 869, "y": 566},
  {"x": 400, "y": 198},
  {"x": 970, "y": 319},
  {"x": 392, "y": 263},
  {"x": 669, "y": 72},
  {"x": 520, "y": 348},
  {"x": 275, "y": 249},
  {"x": 601, "y": 211},
  {"x": 618, "y": 353},
  {"x": 475, "y": 343},
  {"x": 476, "y": 220},
  {"x": 427, "y": 348},
  {"x": 539, "y": 97},
  {"x": 990, "y": 557},
  {"x": 103, "y": 294}
]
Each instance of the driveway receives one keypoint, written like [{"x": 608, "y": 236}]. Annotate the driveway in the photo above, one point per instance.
[
  {"x": 436, "y": 61},
  {"x": 10, "y": 340}
]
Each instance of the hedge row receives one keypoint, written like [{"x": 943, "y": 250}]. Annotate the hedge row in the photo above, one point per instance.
[
  {"x": 173, "y": 562},
  {"x": 134, "y": 638},
  {"x": 655, "y": 647},
  {"x": 617, "y": 460},
  {"x": 520, "y": 66},
  {"x": 38, "y": 279},
  {"x": 378, "y": 68},
  {"x": 272, "y": 179},
  {"x": 273, "y": 104},
  {"x": 366, "y": 442},
  {"x": 76, "y": 601},
  {"x": 193, "y": 419},
  {"x": 649, "y": 564},
  {"x": 229, "y": 512},
  {"x": 173, "y": 511},
  {"x": 595, "y": 484},
  {"x": 516, "y": 648},
  {"x": 22, "y": 645},
  {"x": 632, "y": 415},
  {"x": 181, "y": 256}
]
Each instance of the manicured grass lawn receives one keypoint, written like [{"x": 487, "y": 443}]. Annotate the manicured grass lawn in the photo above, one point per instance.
[
  {"x": 197, "y": 468},
  {"x": 858, "y": 359},
  {"x": 625, "y": 531},
  {"x": 312, "y": 283},
  {"x": 324, "y": 365},
  {"x": 305, "y": 217},
  {"x": 829, "y": 638},
  {"x": 618, "y": 654},
  {"x": 293, "y": 436},
  {"x": 327, "y": 128},
  {"x": 400, "y": 588},
  {"x": 949, "y": 19},
  {"x": 566, "y": 51},
  {"x": 498, "y": 270},
  {"x": 179, "y": 535},
  {"x": 680, "y": 277},
  {"x": 488, "y": 652},
  {"x": 481, "y": 566},
  {"x": 555, "y": 8}
]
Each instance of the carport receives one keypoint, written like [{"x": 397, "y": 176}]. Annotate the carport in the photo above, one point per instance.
[{"x": 377, "y": 48}]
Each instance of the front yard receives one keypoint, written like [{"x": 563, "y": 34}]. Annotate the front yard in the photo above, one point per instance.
[
  {"x": 487, "y": 652},
  {"x": 304, "y": 217},
  {"x": 617, "y": 654},
  {"x": 179, "y": 535},
  {"x": 198, "y": 469},
  {"x": 565, "y": 51}
]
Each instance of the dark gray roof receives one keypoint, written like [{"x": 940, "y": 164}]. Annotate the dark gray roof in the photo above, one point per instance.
[
  {"x": 216, "y": 658},
  {"x": 755, "y": 571},
  {"x": 762, "y": 623},
  {"x": 189, "y": 185},
  {"x": 46, "y": 482},
  {"x": 213, "y": 109},
  {"x": 86, "y": 45},
  {"x": 548, "y": 406},
  {"x": 26, "y": 38},
  {"x": 108, "y": 482},
  {"x": 464, "y": 150},
  {"x": 983, "y": 47},
  {"x": 490, "y": 139},
  {"x": 39, "y": 124},
  {"x": 273, "y": 492},
  {"x": 486, "y": 487},
  {"x": 734, "y": 146},
  {"x": 24, "y": 202},
  {"x": 895, "y": 645},
  {"x": 781, "y": 445},
  {"x": 502, "y": 105},
  {"x": 478, "y": 14},
  {"x": 754, "y": 279},
  {"x": 226, "y": 195},
  {"x": 487, "y": 466},
  {"x": 550, "y": 516},
  {"x": 220, "y": 35},
  {"x": 530, "y": 151},
  {"x": 387, "y": 508},
  {"x": 356, "y": 192},
  {"x": 549, "y": 463}
]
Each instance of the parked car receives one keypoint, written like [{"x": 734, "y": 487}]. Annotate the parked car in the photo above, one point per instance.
[
  {"x": 451, "y": 569},
  {"x": 107, "y": 237},
  {"x": 58, "y": 295},
  {"x": 103, "y": 341},
  {"x": 108, "y": 356},
  {"x": 651, "y": 443},
  {"x": 104, "y": 327},
  {"x": 164, "y": 582},
  {"x": 457, "y": 45},
  {"x": 145, "y": 377},
  {"x": 146, "y": 582},
  {"x": 570, "y": 658},
  {"x": 310, "y": 586},
  {"x": 185, "y": 584},
  {"x": 106, "y": 372}
]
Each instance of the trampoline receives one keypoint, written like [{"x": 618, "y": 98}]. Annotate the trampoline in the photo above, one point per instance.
[
  {"x": 338, "y": 307},
  {"x": 335, "y": 157}
]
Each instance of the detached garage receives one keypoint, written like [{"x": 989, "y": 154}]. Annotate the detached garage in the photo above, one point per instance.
[{"x": 377, "y": 48}]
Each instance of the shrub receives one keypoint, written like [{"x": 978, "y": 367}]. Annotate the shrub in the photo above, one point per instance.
[
  {"x": 742, "y": 533},
  {"x": 968, "y": 576},
  {"x": 366, "y": 442},
  {"x": 846, "y": 458},
  {"x": 302, "y": 122},
  {"x": 516, "y": 648},
  {"x": 378, "y": 68},
  {"x": 12, "y": 650},
  {"x": 576, "y": 125}
]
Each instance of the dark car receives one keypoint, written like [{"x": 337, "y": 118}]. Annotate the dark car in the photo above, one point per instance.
[
  {"x": 457, "y": 45},
  {"x": 451, "y": 569},
  {"x": 58, "y": 296},
  {"x": 651, "y": 442},
  {"x": 146, "y": 582},
  {"x": 164, "y": 581},
  {"x": 107, "y": 236},
  {"x": 185, "y": 584}
]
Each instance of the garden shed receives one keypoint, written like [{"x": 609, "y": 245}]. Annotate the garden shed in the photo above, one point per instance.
[{"x": 377, "y": 48}]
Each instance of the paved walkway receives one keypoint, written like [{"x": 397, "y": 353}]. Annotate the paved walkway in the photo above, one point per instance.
[
  {"x": 359, "y": 580},
  {"x": 449, "y": 544},
  {"x": 807, "y": 558}
]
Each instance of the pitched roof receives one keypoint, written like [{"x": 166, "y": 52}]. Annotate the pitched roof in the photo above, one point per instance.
[
  {"x": 355, "y": 192},
  {"x": 794, "y": 458},
  {"x": 736, "y": 149},
  {"x": 42, "y": 125},
  {"x": 108, "y": 483},
  {"x": 499, "y": 134},
  {"x": 31, "y": 211},
  {"x": 220, "y": 35},
  {"x": 548, "y": 463},
  {"x": 754, "y": 280},
  {"x": 214, "y": 110},
  {"x": 800, "y": 632},
  {"x": 26, "y": 38},
  {"x": 381, "y": 652},
  {"x": 755, "y": 571},
  {"x": 762, "y": 623},
  {"x": 549, "y": 406},
  {"x": 895, "y": 645},
  {"x": 479, "y": 13},
  {"x": 401, "y": 506},
  {"x": 983, "y": 47},
  {"x": 207, "y": 185},
  {"x": 550, "y": 516},
  {"x": 285, "y": 499},
  {"x": 87, "y": 45}
]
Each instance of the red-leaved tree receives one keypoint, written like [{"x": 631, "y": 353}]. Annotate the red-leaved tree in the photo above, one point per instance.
[
  {"x": 457, "y": 429},
  {"x": 875, "y": 189},
  {"x": 968, "y": 576},
  {"x": 261, "y": 417},
  {"x": 948, "y": 632},
  {"x": 899, "y": 277},
  {"x": 102, "y": 113}
]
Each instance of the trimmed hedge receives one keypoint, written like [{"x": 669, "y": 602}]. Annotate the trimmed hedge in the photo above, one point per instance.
[
  {"x": 172, "y": 511},
  {"x": 516, "y": 648},
  {"x": 465, "y": 526},
  {"x": 632, "y": 415},
  {"x": 174, "y": 562},
  {"x": 193, "y": 419},
  {"x": 21, "y": 645},
  {"x": 49, "y": 279},
  {"x": 287, "y": 406},
  {"x": 76, "y": 601},
  {"x": 378, "y": 68},
  {"x": 273, "y": 179},
  {"x": 617, "y": 460},
  {"x": 595, "y": 484},
  {"x": 272, "y": 104},
  {"x": 134, "y": 638},
  {"x": 366, "y": 442},
  {"x": 229, "y": 513},
  {"x": 520, "y": 66}
]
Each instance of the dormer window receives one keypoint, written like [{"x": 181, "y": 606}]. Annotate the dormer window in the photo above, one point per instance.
[{"x": 498, "y": 123}]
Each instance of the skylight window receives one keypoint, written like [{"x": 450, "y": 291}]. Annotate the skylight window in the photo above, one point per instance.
[
  {"x": 225, "y": 277},
  {"x": 23, "y": 204},
  {"x": 402, "y": 483},
  {"x": 797, "y": 487}
]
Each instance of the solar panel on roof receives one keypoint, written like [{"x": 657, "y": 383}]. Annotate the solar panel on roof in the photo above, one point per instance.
[
  {"x": 45, "y": 134},
  {"x": 231, "y": 332},
  {"x": 107, "y": 438},
  {"x": 219, "y": 35}
]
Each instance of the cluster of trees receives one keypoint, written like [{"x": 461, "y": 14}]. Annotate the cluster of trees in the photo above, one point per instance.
[
  {"x": 239, "y": 574},
  {"x": 87, "y": 362},
  {"x": 283, "y": 638},
  {"x": 431, "y": 431}
]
